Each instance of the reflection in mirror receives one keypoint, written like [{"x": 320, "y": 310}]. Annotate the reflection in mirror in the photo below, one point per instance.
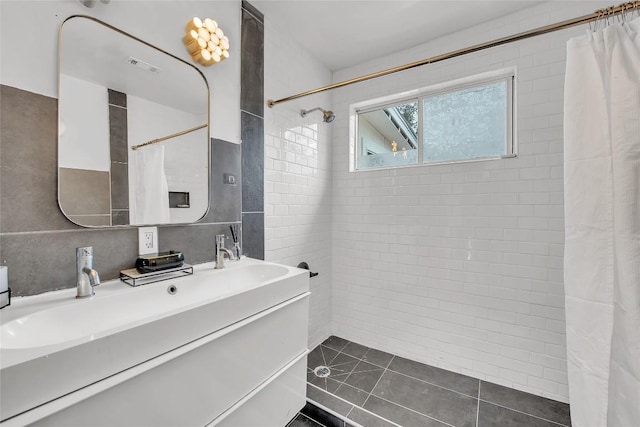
[
  {"x": 388, "y": 136},
  {"x": 133, "y": 129}
]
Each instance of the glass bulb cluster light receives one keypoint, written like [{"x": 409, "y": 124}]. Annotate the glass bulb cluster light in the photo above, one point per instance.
[{"x": 206, "y": 41}]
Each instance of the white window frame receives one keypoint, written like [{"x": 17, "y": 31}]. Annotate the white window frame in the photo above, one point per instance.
[{"x": 419, "y": 95}]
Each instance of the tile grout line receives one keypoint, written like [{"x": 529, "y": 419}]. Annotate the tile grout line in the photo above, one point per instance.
[
  {"x": 376, "y": 385},
  {"x": 414, "y": 411},
  {"x": 434, "y": 384},
  {"x": 524, "y": 413},
  {"x": 478, "y": 403}
]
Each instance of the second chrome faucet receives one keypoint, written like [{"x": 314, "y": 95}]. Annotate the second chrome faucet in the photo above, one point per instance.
[{"x": 221, "y": 251}]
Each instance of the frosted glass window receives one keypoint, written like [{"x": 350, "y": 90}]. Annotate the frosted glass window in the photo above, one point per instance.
[
  {"x": 466, "y": 124},
  {"x": 456, "y": 122}
]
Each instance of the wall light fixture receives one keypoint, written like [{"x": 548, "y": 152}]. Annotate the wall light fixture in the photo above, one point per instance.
[{"x": 206, "y": 41}]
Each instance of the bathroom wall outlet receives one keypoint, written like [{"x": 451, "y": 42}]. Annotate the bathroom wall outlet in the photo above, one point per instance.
[{"x": 147, "y": 240}]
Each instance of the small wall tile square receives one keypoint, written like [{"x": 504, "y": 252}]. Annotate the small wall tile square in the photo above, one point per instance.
[
  {"x": 225, "y": 199},
  {"x": 119, "y": 138}
]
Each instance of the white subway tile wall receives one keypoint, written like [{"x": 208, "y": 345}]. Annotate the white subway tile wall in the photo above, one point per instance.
[
  {"x": 459, "y": 265},
  {"x": 297, "y": 181}
]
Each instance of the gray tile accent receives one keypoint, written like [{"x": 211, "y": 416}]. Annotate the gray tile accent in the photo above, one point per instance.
[
  {"x": 120, "y": 186},
  {"x": 378, "y": 357},
  {"x": 117, "y": 98},
  {"x": 120, "y": 217},
  {"x": 490, "y": 415},
  {"x": 398, "y": 414},
  {"x": 54, "y": 256},
  {"x": 367, "y": 419},
  {"x": 225, "y": 199},
  {"x": 440, "y": 377},
  {"x": 253, "y": 235},
  {"x": 524, "y": 402},
  {"x": 365, "y": 376},
  {"x": 252, "y": 163},
  {"x": 252, "y": 63},
  {"x": 441, "y": 404},
  {"x": 28, "y": 163},
  {"x": 33, "y": 227},
  {"x": 118, "y": 134},
  {"x": 252, "y": 10},
  {"x": 84, "y": 192},
  {"x": 328, "y": 401}
]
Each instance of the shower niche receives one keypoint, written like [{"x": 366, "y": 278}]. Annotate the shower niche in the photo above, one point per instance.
[{"x": 133, "y": 138}]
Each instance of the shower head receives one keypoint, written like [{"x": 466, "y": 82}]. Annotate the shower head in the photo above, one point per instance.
[{"x": 327, "y": 115}]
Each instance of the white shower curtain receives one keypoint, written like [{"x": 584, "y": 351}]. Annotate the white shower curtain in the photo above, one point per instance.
[
  {"x": 602, "y": 226},
  {"x": 150, "y": 200}
]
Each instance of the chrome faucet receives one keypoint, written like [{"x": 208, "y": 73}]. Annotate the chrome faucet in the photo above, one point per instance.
[
  {"x": 86, "y": 276},
  {"x": 221, "y": 251}
]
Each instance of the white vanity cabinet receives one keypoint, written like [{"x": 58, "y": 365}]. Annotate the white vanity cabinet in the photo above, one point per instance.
[{"x": 251, "y": 372}]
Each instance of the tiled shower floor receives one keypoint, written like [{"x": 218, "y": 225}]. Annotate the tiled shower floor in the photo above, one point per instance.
[{"x": 373, "y": 388}]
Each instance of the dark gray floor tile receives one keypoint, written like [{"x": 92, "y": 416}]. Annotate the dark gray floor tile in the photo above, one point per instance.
[
  {"x": 436, "y": 402},
  {"x": 397, "y": 414},
  {"x": 321, "y": 416},
  {"x": 351, "y": 394},
  {"x": 315, "y": 358},
  {"x": 355, "y": 350},
  {"x": 303, "y": 421},
  {"x": 328, "y": 400},
  {"x": 367, "y": 419},
  {"x": 328, "y": 354},
  {"x": 327, "y": 384},
  {"x": 365, "y": 376},
  {"x": 443, "y": 378},
  {"x": 524, "y": 402},
  {"x": 490, "y": 415},
  {"x": 378, "y": 357},
  {"x": 341, "y": 366},
  {"x": 336, "y": 343}
]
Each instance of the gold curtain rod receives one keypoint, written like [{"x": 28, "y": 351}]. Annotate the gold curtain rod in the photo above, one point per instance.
[
  {"x": 598, "y": 14},
  {"x": 173, "y": 135}
]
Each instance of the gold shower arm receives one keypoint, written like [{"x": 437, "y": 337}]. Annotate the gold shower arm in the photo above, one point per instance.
[
  {"x": 173, "y": 135},
  {"x": 598, "y": 14}
]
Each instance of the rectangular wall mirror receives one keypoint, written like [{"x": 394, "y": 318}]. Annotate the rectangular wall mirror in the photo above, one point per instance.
[{"x": 133, "y": 127}]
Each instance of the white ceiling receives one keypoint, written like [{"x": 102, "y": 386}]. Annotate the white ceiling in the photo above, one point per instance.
[{"x": 345, "y": 33}]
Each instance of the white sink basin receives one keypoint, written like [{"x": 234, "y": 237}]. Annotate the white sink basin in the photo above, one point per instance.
[
  {"x": 92, "y": 318},
  {"x": 52, "y": 344}
]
